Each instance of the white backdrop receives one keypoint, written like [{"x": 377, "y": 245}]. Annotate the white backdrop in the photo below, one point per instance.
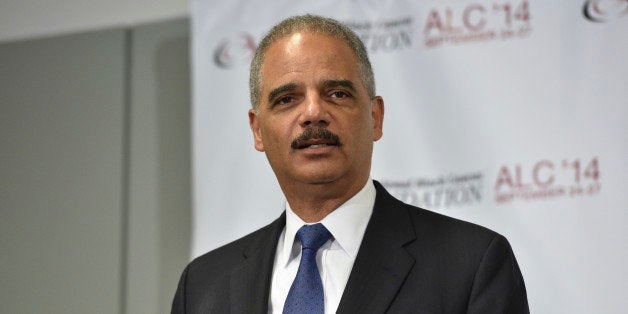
[{"x": 509, "y": 113}]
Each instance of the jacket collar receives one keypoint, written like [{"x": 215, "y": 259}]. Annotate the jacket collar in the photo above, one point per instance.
[
  {"x": 378, "y": 272},
  {"x": 250, "y": 282},
  {"x": 382, "y": 263}
]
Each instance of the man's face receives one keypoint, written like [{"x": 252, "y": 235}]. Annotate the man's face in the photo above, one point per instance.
[{"x": 315, "y": 121}]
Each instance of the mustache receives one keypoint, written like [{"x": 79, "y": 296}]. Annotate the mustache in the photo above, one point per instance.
[{"x": 315, "y": 132}]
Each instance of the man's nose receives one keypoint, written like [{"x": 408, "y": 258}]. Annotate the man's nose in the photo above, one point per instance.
[{"x": 314, "y": 112}]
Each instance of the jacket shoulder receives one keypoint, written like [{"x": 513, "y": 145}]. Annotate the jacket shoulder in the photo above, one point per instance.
[
  {"x": 229, "y": 254},
  {"x": 437, "y": 230},
  {"x": 426, "y": 221},
  {"x": 203, "y": 286}
]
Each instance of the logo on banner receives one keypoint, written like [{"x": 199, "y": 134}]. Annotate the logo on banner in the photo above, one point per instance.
[
  {"x": 547, "y": 179},
  {"x": 604, "y": 10},
  {"x": 465, "y": 22},
  {"x": 445, "y": 191},
  {"x": 385, "y": 35},
  {"x": 234, "y": 50},
  {"x": 378, "y": 36}
]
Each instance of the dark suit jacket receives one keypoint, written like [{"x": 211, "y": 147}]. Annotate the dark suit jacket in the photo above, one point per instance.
[{"x": 410, "y": 261}]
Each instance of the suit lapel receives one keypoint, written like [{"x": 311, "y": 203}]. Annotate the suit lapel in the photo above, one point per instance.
[
  {"x": 382, "y": 263},
  {"x": 250, "y": 282}
]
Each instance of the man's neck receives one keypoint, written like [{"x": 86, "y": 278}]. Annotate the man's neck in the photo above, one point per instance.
[{"x": 313, "y": 202}]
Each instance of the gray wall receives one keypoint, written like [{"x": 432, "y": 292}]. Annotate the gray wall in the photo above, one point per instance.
[
  {"x": 94, "y": 170},
  {"x": 21, "y": 19}
]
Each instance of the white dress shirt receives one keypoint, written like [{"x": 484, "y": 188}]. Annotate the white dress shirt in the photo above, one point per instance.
[{"x": 334, "y": 259}]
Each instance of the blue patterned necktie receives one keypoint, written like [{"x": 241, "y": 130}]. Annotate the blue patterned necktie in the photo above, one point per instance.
[{"x": 306, "y": 293}]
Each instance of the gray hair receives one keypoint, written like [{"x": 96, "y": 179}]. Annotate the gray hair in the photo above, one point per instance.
[{"x": 313, "y": 24}]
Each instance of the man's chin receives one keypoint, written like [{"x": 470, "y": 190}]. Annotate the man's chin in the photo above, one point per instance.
[{"x": 320, "y": 176}]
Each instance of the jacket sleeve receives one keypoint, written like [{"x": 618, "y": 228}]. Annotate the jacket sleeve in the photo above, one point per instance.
[
  {"x": 498, "y": 285},
  {"x": 178, "y": 303}
]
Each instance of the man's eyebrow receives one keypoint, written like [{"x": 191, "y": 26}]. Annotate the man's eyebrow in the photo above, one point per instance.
[
  {"x": 342, "y": 83},
  {"x": 281, "y": 89}
]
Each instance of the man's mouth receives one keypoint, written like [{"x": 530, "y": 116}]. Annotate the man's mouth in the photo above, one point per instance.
[
  {"x": 315, "y": 137},
  {"x": 315, "y": 143}
]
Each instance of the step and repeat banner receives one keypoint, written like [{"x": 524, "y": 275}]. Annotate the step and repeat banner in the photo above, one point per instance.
[{"x": 512, "y": 114}]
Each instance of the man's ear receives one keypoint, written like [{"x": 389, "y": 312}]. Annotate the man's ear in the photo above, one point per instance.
[
  {"x": 377, "y": 111},
  {"x": 255, "y": 128}
]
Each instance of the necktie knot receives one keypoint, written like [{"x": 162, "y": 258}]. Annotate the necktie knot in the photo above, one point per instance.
[{"x": 313, "y": 236}]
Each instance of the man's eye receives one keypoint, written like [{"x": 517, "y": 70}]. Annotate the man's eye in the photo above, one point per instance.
[
  {"x": 284, "y": 100},
  {"x": 340, "y": 94}
]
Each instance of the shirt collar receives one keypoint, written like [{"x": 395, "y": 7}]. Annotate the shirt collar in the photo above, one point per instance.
[{"x": 347, "y": 223}]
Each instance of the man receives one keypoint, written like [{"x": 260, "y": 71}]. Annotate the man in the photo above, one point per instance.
[{"x": 343, "y": 244}]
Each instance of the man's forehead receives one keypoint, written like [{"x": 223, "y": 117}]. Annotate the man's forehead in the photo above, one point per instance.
[
  {"x": 308, "y": 59},
  {"x": 309, "y": 43},
  {"x": 318, "y": 53}
]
